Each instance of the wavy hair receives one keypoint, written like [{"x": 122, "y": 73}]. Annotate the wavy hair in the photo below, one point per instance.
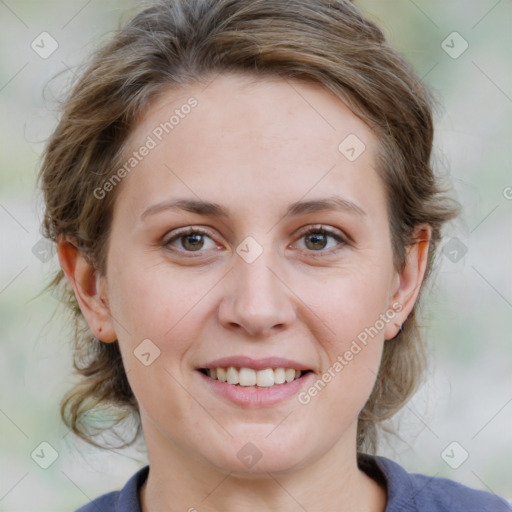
[{"x": 174, "y": 43}]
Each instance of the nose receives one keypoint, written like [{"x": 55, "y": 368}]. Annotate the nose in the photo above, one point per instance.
[{"x": 256, "y": 302}]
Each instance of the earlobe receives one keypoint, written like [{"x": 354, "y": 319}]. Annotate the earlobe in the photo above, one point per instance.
[
  {"x": 89, "y": 290},
  {"x": 410, "y": 278}
]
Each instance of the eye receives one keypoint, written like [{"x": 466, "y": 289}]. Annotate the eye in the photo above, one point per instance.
[
  {"x": 316, "y": 239},
  {"x": 191, "y": 240}
]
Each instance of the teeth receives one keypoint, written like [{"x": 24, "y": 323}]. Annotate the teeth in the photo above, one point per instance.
[
  {"x": 247, "y": 377},
  {"x": 221, "y": 374},
  {"x": 232, "y": 375},
  {"x": 264, "y": 378},
  {"x": 250, "y": 377},
  {"x": 279, "y": 376},
  {"x": 289, "y": 374}
]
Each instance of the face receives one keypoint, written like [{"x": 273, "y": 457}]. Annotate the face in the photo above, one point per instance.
[{"x": 247, "y": 237}]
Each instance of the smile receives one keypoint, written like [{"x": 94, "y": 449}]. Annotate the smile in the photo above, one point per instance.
[{"x": 246, "y": 377}]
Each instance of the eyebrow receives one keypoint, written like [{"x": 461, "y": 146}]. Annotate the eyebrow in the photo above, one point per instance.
[{"x": 298, "y": 208}]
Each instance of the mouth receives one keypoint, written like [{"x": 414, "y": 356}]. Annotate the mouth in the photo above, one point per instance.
[
  {"x": 249, "y": 382},
  {"x": 250, "y": 377}
]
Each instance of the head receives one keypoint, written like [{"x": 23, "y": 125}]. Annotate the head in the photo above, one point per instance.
[{"x": 244, "y": 105}]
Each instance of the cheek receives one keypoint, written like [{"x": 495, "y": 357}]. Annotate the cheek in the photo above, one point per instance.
[
  {"x": 157, "y": 315},
  {"x": 348, "y": 310},
  {"x": 152, "y": 301},
  {"x": 350, "y": 368},
  {"x": 345, "y": 303}
]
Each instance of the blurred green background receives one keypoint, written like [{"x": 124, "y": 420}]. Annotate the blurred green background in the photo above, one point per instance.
[{"x": 468, "y": 396}]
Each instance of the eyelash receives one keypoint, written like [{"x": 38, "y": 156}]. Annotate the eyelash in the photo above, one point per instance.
[{"x": 309, "y": 231}]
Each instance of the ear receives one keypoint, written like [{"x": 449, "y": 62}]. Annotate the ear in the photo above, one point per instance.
[
  {"x": 409, "y": 280},
  {"x": 90, "y": 290}
]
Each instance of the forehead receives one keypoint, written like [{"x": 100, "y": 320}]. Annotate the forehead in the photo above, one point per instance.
[{"x": 238, "y": 136}]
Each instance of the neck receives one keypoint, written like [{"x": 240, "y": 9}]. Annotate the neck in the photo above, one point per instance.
[{"x": 176, "y": 482}]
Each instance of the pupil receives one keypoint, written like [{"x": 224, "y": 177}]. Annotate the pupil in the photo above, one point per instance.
[
  {"x": 194, "y": 241},
  {"x": 317, "y": 238}
]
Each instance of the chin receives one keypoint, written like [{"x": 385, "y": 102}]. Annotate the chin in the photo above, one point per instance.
[
  {"x": 256, "y": 454},
  {"x": 262, "y": 468}
]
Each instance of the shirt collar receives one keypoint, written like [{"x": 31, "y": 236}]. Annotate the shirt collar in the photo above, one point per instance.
[
  {"x": 129, "y": 495},
  {"x": 400, "y": 490}
]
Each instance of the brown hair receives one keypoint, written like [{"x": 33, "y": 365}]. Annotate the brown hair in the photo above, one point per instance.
[{"x": 174, "y": 43}]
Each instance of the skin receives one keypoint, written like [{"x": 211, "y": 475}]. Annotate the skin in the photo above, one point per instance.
[{"x": 253, "y": 147}]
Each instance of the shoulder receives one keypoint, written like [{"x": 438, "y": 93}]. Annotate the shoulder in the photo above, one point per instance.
[
  {"x": 413, "y": 492},
  {"x": 125, "y": 500}
]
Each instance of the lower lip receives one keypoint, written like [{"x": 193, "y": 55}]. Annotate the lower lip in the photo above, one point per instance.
[{"x": 252, "y": 396}]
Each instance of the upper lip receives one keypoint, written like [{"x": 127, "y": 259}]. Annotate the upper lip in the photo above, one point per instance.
[{"x": 256, "y": 364}]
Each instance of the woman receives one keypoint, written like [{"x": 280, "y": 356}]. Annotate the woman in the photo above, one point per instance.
[{"x": 245, "y": 216}]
